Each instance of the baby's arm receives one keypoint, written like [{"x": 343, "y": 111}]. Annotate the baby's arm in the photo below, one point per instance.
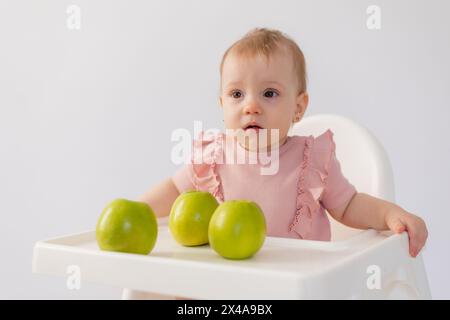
[
  {"x": 364, "y": 211},
  {"x": 161, "y": 197}
]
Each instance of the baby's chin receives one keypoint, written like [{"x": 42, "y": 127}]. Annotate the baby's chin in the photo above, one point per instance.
[
  {"x": 260, "y": 142},
  {"x": 260, "y": 147}
]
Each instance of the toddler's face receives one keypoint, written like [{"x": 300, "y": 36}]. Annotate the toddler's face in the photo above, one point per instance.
[{"x": 254, "y": 89}]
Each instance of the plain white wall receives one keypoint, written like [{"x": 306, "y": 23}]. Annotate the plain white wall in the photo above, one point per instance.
[{"x": 86, "y": 115}]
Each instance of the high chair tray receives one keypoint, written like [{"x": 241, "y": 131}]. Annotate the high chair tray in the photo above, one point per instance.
[{"x": 282, "y": 269}]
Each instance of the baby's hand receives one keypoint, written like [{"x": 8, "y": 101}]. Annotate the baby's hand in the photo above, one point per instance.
[{"x": 398, "y": 220}]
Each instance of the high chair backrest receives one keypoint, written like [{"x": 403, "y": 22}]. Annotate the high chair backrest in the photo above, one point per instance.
[{"x": 363, "y": 160}]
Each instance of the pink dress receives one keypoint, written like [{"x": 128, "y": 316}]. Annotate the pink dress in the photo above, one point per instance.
[{"x": 294, "y": 199}]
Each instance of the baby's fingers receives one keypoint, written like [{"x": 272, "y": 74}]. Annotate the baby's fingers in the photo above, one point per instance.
[{"x": 417, "y": 233}]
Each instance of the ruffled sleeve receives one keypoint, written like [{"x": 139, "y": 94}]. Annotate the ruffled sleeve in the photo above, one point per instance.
[
  {"x": 321, "y": 184},
  {"x": 337, "y": 190},
  {"x": 201, "y": 173}
]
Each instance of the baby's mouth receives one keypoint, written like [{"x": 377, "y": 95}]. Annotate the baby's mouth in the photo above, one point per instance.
[{"x": 254, "y": 127}]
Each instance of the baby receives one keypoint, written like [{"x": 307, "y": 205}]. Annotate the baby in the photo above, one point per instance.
[{"x": 263, "y": 86}]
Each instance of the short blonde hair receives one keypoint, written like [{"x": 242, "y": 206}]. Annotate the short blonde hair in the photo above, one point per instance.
[{"x": 267, "y": 42}]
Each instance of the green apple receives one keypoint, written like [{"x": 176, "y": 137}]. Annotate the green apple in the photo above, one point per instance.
[
  {"x": 190, "y": 215},
  {"x": 237, "y": 229},
  {"x": 127, "y": 226}
]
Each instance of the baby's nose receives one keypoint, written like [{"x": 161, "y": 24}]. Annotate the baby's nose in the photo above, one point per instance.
[{"x": 252, "y": 107}]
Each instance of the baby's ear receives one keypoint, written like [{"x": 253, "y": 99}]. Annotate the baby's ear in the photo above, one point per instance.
[{"x": 302, "y": 102}]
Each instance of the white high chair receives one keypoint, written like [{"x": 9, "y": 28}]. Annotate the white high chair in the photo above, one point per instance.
[
  {"x": 356, "y": 264},
  {"x": 365, "y": 164}
]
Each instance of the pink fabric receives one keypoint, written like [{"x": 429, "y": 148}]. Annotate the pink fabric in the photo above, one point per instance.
[{"x": 308, "y": 181}]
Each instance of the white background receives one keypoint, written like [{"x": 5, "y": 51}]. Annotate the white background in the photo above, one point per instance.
[{"x": 86, "y": 116}]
